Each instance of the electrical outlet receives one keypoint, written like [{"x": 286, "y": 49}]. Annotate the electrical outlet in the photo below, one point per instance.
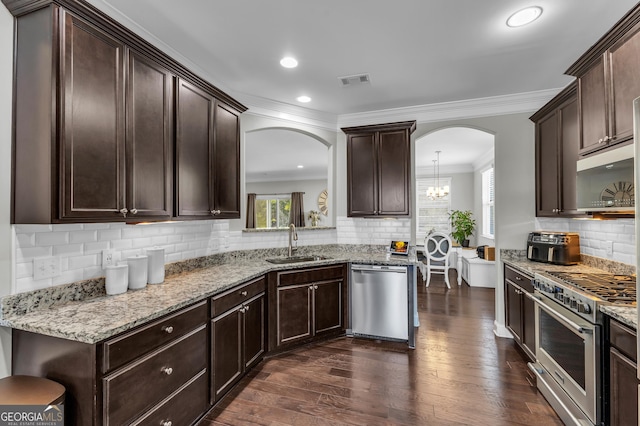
[
  {"x": 609, "y": 247},
  {"x": 46, "y": 267},
  {"x": 108, "y": 258}
]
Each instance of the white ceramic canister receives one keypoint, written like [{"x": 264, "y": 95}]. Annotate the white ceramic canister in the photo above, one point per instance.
[
  {"x": 117, "y": 278},
  {"x": 155, "y": 274},
  {"x": 137, "y": 272}
]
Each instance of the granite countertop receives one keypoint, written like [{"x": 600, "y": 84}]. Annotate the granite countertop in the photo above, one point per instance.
[
  {"x": 100, "y": 317},
  {"x": 625, "y": 314}
]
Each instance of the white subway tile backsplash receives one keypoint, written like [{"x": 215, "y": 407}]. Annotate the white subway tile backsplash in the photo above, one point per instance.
[
  {"x": 27, "y": 254},
  {"x": 68, "y": 250},
  {"x": 97, "y": 247},
  {"x": 83, "y": 236},
  {"x": 595, "y": 233},
  {"x": 68, "y": 277},
  {"x": 52, "y": 238},
  {"x": 109, "y": 234},
  {"x": 29, "y": 284},
  {"x": 24, "y": 270},
  {"x": 80, "y": 262}
]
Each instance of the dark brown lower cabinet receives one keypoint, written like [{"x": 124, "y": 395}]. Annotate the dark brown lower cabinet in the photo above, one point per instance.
[
  {"x": 237, "y": 334},
  {"x": 623, "y": 382},
  {"x": 520, "y": 310},
  {"x": 305, "y": 304},
  {"x": 154, "y": 374}
]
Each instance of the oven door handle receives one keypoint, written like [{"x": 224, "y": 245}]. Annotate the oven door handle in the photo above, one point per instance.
[{"x": 571, "y": 324}]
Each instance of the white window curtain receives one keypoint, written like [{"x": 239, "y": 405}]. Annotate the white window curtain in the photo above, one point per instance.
[
  {"x": 431, "y": 214},
  {"x": 488, "y": 204}
]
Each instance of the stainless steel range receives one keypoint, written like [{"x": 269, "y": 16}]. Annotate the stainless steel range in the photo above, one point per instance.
[{"x": 569, "y": 339}]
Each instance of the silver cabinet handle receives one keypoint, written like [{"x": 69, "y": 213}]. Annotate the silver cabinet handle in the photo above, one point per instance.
[
  {"x": 167, "y": 329},
  {"x": 124, "y": 212},
  {"x": 166, "y": 423},
  {"x": 518, "y": 278},
  {"x": 215, "y": 212},
  {"x": 601, "y": 140},
  {"x": 246, "y": 308},
  {"x": 134, "y": 211},
  {"x": 167, "y": 370},
  {"x": 315, "y": 287},
  {"x": 243, "y": 293},
  {"x": 243, "y": 310}
]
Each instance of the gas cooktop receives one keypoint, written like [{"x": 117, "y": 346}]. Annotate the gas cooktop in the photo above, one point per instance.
[{"x": 618, "y": 289}]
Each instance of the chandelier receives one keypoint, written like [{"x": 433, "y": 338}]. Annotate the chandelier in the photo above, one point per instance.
[{"x": 437, "y": 192}]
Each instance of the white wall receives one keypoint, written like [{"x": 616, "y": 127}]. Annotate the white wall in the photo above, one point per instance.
[
  {"x": 514, "y": 184},
  {"x": 6, "y": 84},
  {"x": 477, "y": 204},
  {"x": 311, "y": 189}
]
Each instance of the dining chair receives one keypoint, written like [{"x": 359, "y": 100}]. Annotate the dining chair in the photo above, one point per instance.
[{"x": 437, "y": 250}]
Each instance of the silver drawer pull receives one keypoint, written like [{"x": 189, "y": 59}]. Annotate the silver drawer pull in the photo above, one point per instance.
[
  {"x": 167, "y": 370},
  {"x": 167, "y": 329},
  {"x": 243, "y": 293},
  {"x": 166, "y": 423}
]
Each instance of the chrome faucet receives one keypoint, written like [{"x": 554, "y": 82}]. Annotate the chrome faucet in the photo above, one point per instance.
[{"x": 293, "y": 236}]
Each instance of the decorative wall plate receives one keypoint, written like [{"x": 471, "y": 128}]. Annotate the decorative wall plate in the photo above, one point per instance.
[
  {"x": 617, "y": 194},
  {"x": 322, "y": 202}
]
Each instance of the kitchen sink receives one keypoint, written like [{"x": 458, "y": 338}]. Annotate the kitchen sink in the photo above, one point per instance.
[{"x": 296, "y": 259}]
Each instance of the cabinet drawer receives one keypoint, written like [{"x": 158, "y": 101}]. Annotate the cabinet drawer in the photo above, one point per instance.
[
  {"x": 119, "y": 351},
  {"x": 518, "y": 279},
  {"x": 222, "y": 302},
  {"x": 136, "y": 388},
  {"x": 623, "y": 338},
  {"x": 183, "y": 407},
  {"x": 310, "y": 275}
]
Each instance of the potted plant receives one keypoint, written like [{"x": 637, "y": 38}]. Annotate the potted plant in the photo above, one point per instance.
[{"x": 462, "y": 225}]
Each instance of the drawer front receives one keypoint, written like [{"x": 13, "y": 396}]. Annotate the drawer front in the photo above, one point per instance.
[
  {"x": 518, "y": 279},
  {"x": 222, "y": 302},
  {"x": 310, "y": 275},
  {"x": 133, "y": 390},
  {"x": 623, "y": 339},
  {"x": 182, "y": 408},
  {"x": 125, "y": 348}
]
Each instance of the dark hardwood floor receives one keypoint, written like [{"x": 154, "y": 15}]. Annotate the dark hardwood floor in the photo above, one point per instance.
[{"x": 459, "y": 373}]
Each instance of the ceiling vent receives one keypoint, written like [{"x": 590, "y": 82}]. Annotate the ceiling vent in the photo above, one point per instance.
[{"x": 355, "y": 80}]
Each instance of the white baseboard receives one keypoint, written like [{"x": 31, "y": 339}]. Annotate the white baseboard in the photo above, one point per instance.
[{"x": 501, "y": 331}]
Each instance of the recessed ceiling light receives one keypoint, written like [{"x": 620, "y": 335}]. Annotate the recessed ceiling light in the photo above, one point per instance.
[
  {"x": 300, "y": 166},
  {"x": 304, "y": 99},
  {"x": 524, "y": 16},
  {"x": 289, "y": 62}
]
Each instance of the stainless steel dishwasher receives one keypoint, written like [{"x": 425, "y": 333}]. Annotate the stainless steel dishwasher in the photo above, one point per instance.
[{"x": 380, "y": 302}]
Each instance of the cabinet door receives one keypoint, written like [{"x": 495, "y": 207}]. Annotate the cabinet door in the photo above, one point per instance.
[
  {"x": 569, "y": 147},
  {"x": 149, "y": 139},
  {"x": 226, "y": 352},
  {"x": 513, "y": 311},
  {"x": 226, "y": 165},
  {"x": 327, "y": 306},
  {"x": 623, "y": 398},
  {"x": 362, "y": 196},
  {"x": 194, "y": 151},
  {"x": 593, "y": 110},
  {"x": 547, "y": 165},
  {"x": 294, "y": 314},
  {"x": 624, "y": 60},
  {"x": 393, "y": 176},
  {"x": 254, "y": 331},
  {"x": 92, "y": 117}
]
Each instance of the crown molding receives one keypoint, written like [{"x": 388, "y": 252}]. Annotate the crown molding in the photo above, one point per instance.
[
  {"x": 470, "y": 108},
  {"x": 268, "y": 108}
]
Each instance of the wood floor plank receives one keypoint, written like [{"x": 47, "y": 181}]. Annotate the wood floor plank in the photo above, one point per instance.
[{"x": 459, "y": 374}]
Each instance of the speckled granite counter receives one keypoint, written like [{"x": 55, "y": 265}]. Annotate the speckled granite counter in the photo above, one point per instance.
[
  {"x": 625, "y": 314},
  {"x": 98, "y": 316}
]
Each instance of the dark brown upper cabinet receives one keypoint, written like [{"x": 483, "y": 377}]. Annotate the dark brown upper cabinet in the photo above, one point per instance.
[
  {"x": 207, "y": 156},
  {"x": 607, "y": 86},
  {"x": 94, "y": 127},
  {"x": 378, "y": 169},
  {"x": 557, "y": 146}
]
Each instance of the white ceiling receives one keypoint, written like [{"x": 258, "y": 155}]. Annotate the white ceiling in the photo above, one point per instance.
[
  {"x": 417, "y": 52},
  {"x": 463, "y": 149}
]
